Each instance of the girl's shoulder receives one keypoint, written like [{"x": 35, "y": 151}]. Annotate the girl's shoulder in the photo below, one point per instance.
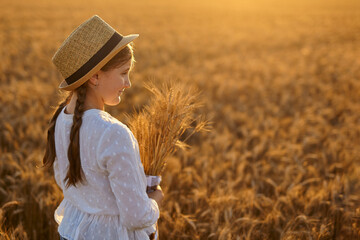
[
  {"x": 106, "y": 123},
  {"x": 111, "y": 132},
  {"x": 100, "y": 124}
]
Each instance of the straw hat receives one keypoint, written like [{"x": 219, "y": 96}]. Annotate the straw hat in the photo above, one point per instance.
[{"x": 86, "y": 50}]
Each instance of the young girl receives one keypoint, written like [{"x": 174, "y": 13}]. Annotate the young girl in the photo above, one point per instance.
[{"x": 95, "y": 157}]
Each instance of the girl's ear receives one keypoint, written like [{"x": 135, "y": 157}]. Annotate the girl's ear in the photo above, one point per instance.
[{"x": 94, "y": 79}]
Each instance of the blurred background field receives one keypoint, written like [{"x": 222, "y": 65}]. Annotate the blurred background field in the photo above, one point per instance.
[{"x": 280, "y": 81}]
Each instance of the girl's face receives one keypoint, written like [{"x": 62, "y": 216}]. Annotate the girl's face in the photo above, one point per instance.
[{"x": 112, "y": 84}]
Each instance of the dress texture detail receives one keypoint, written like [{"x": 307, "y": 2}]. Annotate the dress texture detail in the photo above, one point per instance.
[{"x": 112, "y": 202}]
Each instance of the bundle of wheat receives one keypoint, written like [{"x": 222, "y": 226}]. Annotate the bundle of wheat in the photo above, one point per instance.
[{"x": 160, "y": 126}]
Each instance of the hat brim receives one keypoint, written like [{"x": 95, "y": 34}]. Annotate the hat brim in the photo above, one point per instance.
[{"x": 124, "y": 41}]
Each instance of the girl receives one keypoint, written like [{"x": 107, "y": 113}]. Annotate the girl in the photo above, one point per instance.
[{"x": 95, "y": 157}]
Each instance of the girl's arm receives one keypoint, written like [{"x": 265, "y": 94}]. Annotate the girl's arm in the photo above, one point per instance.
[
  {"x": 117, "y": 156},
  {"x": 57, "y": 173}
]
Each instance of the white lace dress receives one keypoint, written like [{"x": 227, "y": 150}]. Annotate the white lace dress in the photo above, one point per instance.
[{"x": 112, "y": 203}]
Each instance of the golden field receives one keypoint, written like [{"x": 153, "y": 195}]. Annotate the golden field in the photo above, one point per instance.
[{"x": 280, "y": 82}]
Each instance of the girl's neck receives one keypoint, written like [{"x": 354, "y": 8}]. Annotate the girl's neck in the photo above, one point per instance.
[{"x": 90, "y": 103}]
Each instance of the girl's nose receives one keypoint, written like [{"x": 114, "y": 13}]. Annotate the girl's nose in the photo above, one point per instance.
[{"x": 127, "y": 82}]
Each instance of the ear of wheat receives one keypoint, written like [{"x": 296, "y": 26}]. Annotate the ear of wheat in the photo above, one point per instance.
[{"x": 160, "y": 125}]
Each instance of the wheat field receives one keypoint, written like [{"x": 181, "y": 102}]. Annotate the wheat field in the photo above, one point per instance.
[{"x": 280, "y": 82}]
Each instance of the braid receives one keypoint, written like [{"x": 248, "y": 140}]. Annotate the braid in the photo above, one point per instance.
[
  {"x": 50, "y": 153},
  {"x": 75, "y": 172}
]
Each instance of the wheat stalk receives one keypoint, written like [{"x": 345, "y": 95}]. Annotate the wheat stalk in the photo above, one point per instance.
[{"x": 159, "y": 127}]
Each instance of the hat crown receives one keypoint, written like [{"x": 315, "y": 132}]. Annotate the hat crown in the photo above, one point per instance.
[{"x": 83, "y": 43}]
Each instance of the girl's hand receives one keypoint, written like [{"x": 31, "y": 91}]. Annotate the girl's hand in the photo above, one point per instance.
[{"x": 157, "y": 195}]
